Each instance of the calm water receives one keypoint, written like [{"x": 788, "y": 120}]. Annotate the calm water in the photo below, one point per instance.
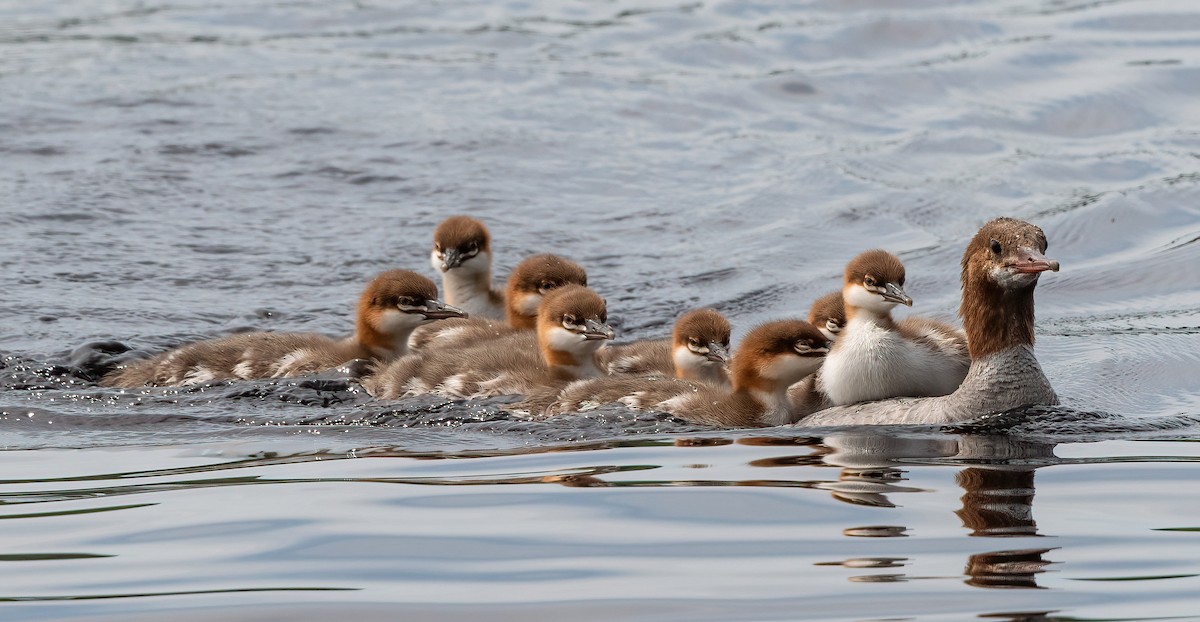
[{"x": 181, "y": 170}]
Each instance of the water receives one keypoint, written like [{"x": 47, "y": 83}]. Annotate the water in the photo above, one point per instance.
[{"x": 178, "y": 171}]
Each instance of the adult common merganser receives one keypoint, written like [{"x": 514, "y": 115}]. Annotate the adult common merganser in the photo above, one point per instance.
[
  {"x": 462, "y": 254},
  {"x": 532, "y": 279},
  {"x": 769, "y": 359},
  {"x": 698, "y": 350},
  {"x": 1000, "y": 270},
  {"x": 571, "y": 327},
  {"x": 828, "y": 314},
  {"x": 876, "y": 358},
  {"x": 393, "y": 304}
]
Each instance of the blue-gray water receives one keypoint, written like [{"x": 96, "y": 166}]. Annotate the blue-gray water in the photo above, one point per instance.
[{"x": 176, "y": 171}]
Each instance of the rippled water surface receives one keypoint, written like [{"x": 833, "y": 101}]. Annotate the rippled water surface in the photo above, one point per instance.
[{"x": 181, "y": 170}]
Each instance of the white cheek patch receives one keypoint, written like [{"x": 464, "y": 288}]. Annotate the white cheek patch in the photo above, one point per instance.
[
  {"x": 687, "y": 361},
  {"x": 481, "y": 262},
  {"x": 858, "y": 296},
  {"x": 790, "y": 368},
  {"x": 563, "y": 339},
  {"x": 528, "y": 305},
  {"x": 394, "y": 321},
  {"x": 435, "y": 260}
]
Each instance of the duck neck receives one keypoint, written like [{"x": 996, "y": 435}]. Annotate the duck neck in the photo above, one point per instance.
[
  {"x": 467, "y": 289},
  {"x": 689, "y": 366},
  {"x": 567, "y": 365},
  {"x": 862, "y": 315},
  {"x": 995, "y": 319},
  {"x": 381, "y": 345},
  {"x": 568, "y": 356},
  {"x": 520, "y": 310},
  {"x": 770, "y": 395}
]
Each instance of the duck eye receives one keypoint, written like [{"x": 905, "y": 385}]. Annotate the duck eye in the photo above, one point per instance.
[
  {"x": 437, "y": 248},
  {"x": 473, "y": 248},
  {"x": 692, "y": 341},
  {"x": 869, "y": 281},
  {"x": 569, "y": 319},
  {"x": 996, "y": 247},
  {"x": 406, "y": 301},
  {"x": 802, "y": 346}
]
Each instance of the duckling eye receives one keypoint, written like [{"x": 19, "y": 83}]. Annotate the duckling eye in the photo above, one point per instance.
[
  {"x": 406, "y": 301},
  {"x": 546, "y": 285},
  {"x": 437, "y": 248},
  {"x": 869, "y": 281},
  {"x": 802, "y": 347},
  {"x": 473, "y": 248},
  {"x": 996, "y": 247}
]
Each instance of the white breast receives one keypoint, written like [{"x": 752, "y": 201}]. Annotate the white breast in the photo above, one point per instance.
[{"x": 871, "y": 362}]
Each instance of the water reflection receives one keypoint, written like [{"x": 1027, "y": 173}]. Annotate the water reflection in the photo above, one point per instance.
[
  {"x": 997, "y": 500},
  {"x": 1007, "y": 569},
  {"x": 997, "y": 503}
]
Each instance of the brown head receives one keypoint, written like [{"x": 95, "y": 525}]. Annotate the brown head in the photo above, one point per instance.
[
  {"x": 531, "y": 280},
  {"x": 776, "y": 355},
  {"x": 700, "y": 347},
  {"x": 572, "y": 323},
  {"x": 828, "y": 314},
  {"x": 393, "y": 304},
  {"x": 874, "y": 282},
  {"x": 461, "y": 242},
  {"x": 1000, "y": 269},
  {"x": 704, "y": 333}
]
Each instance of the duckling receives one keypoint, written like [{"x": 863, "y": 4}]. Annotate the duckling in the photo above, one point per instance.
[
  {"x": 532, "y": 279},
  {"x": 392, "y": 306},
  {"x": 828, "y": 314},
  {"x": 1000, "y": 269},
  {"x": 769, "y": 359},
  {"x": 462, "y": 254},
  {"x": 571, "y": 327},
  {"x": 876, "y": 358},
  {"x": 698, "y": 350}
]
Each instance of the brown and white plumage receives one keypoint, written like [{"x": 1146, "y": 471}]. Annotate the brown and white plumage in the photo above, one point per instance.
[
  {"x": 532, "y": 279},
  {"x": 875, "y": 357},
  {"x": 571, "y": 326},
  {"x": 769, "y": 359},
  {"x": 392, "y": 305},
  {"x": 462, "y": 254},
  {"x": 698, "y": 350},
  {"x": 1000, "y": 269}
]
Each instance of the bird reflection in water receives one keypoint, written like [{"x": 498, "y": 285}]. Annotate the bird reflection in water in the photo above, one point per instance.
[{"x": 997, "y": 500}]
